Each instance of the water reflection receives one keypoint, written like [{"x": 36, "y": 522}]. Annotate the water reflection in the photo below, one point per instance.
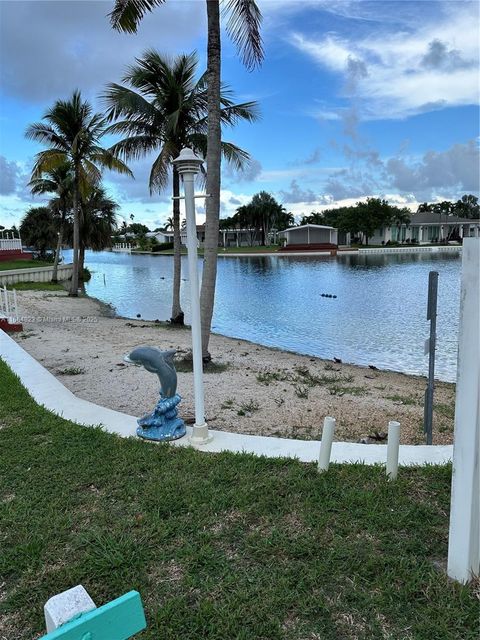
[{"x": 378, "y": 316}]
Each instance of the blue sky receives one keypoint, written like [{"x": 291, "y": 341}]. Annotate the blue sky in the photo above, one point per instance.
[{"x": 358, "y": 98}]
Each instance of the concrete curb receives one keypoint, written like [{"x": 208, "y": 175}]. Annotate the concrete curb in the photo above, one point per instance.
[{"x": 46, "y": 390}]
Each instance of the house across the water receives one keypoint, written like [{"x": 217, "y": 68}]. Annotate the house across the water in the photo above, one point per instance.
[
  {"x": 310, "y": 237},
  {"x": 11, "y": 249},
  {"x": 428, "y": 228},
  {"x": 423, "y": 228}
]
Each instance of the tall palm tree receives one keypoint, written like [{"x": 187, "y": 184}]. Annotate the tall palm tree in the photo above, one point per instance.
[
  {"x": 59, "y": 181},
  {"x": 162, "y": 109},
  {"x": 73, "y": 136},
  {"x": 243, "y": 25}
]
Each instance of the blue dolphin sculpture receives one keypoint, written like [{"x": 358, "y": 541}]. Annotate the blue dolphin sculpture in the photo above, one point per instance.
[{"x": 160, "y": 362}]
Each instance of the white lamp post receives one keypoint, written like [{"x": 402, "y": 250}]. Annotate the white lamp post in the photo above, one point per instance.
[{"x": 188, "y": 165}]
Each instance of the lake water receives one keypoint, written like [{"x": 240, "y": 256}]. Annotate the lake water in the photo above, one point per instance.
[{"x": 378, "y": 316}]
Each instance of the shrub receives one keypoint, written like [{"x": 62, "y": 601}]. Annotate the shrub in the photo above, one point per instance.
[{"x": 162, "y": 247}]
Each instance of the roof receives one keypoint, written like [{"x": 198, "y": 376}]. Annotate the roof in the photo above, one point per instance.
[
  {"x": 430, "y": 217},
  {"x": 311, "y": 226}
]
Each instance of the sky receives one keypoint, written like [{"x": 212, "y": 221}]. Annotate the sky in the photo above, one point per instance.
[{"x": 357, "y": 98}]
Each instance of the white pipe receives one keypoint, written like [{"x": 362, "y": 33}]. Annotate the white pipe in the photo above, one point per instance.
[
  {"x": 392, "y": 449},
  {"x": 200, "y": 433},
  {"x": 326, "y": 444}
]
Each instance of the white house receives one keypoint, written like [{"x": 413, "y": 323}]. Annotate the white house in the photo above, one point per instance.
[
  {"x": 427, "y": 228},
  {"x": 161, "y": 236},
  {"x": 310, "y": 236}
]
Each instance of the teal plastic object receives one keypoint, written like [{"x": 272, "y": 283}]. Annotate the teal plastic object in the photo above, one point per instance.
[{"x": 118, "y": 620}]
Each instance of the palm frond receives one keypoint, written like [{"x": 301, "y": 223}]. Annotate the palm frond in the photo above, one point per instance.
[
  {"x": 46, "y": 161},
  {"x": 243, "y": 27},
  {"x": 161, "y": 168},
  {"x": 127, "y": 14},
  {"x": 235, "y": 156},
  {"x": 105, "y": 158},
  {"x": 122, "y": 101},
  {"x": 135, "y": 147},
  {"x": 45, "y": 134}
]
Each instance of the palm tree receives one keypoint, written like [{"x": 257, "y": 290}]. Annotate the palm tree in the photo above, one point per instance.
[
  {"x": 169, "y": 223},
  {"x": 243, "y": 25},
  {"x": 163, "y": 108},
  {"x": 98, "y": 224},
  {"x": 73, "y": 135},
  {"x": 59, "y": 181}
]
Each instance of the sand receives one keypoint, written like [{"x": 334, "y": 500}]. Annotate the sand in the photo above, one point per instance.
[{"x": 251, "y": 389}]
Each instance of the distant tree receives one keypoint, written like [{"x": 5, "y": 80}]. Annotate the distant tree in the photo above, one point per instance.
[
  {"x": 467, "y": 207},
  {"x": 58, "y": 181},
  {"x": 72, "y": 134},
  {"x": 425, "y": 207},
  {"x": 98, "y": 223},
  {"x": 38, "y": 229},
  {"x": 137, "y": 229},
  {"x": 263, "y": 213}
]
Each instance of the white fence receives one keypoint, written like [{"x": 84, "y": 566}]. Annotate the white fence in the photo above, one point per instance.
[
  {"x": 10, "y": 244},
  {"x": 124, "y": 247},
  {"x": 35, "y": 274},
  {"x": 8, "y": 304},
  {"x": 440, "y": 249}
]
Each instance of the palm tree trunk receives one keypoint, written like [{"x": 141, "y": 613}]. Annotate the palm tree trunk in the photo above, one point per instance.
[
  {"x": 177, "y": 313},
  {"x": 57, "y": 252},
  {"x": 213, "y": 173},
  {"x": 76, "y": 237},
  {"x": 81, "y": 261}
]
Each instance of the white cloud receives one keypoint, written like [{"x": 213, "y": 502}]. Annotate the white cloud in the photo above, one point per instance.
[{"x": 400, "y": 73}]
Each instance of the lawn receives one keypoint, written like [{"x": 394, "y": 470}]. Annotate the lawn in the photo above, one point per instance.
[
  {"x": 36, "y": 286},
  {"x": 23, "y": 264},
  {"x": 219, "y": 546}
]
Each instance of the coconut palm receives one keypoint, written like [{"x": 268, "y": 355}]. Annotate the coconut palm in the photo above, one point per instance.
[
  {"x": 98, "y": 223},
  {"x": 59, "y": 181},
  {"x": 162, "y": 109},
  {"x": 243, "y": 26},
  {"x": 73, "y": 136}
]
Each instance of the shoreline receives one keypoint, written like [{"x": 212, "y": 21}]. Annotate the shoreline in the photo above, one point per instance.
[{"x": 249, "y": 389}]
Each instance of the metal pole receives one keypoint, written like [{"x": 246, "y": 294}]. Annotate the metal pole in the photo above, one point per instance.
[
  {"x": 200, "y": 429},
  {"x": 430, "y": 349}
]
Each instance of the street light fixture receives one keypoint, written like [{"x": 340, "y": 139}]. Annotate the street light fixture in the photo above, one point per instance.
[{"x": 188, "y": 165}]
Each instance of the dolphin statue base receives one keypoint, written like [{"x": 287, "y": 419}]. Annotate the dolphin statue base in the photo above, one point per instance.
[{"x": 163, "y": 424}]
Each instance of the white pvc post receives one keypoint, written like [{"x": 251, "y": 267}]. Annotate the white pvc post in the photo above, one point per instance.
[
  {"x": 464, "y": 534},
  {"x": 326, "y": 444},
  {"x": 392, "y": 449}
]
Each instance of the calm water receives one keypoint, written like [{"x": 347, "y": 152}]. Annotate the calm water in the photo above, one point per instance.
[{"x": 378, "y": 317}]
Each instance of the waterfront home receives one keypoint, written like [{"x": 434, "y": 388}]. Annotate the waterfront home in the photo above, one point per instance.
[
  {"x": 161, "y": 236},
  {"x": 310, "y": 237},
  {"x": 11, "y": 249},
  {"x": 427, "y": 228}
]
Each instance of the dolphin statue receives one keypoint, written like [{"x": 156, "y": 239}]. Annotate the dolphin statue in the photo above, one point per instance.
[{"x": 160, "y": 362}]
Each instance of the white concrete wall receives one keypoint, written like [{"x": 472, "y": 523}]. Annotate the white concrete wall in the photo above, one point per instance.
[
  {"x": 35, "y": 274},
  {"x": 407, "y": 249},
  {"x": 463, "y": 543}
]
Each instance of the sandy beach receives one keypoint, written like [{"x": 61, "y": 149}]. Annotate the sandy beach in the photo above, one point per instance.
[{"x": 249, "y": 389}]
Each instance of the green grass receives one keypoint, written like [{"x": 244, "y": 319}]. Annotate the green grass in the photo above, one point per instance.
[
  {"x": 222, "y": 545},
  {"x": 186, "y": 366},
  {"x": 71, "y": 371},
  {"x": 23, "y": 264},
  {"x": 36, "y": 286}
]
